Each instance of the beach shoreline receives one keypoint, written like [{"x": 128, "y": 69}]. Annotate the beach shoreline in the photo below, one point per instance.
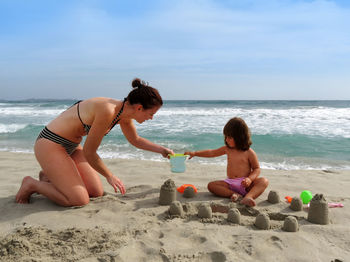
[
  {"x": 135, "y": 227},
  {"x": 285, "y": 134}
]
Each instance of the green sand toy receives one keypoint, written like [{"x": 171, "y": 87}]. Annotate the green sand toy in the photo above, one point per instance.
[{"x": 306, "y": 196}]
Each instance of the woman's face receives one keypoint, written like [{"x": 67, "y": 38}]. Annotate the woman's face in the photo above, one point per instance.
[{"x": 145, "y": 114}]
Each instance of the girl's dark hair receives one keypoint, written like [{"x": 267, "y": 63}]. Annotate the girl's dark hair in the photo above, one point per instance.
[
  {"x": 239, "y": 131},
  {"x": 144, "y": 94}
]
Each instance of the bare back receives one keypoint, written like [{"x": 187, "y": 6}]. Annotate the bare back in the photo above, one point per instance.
[{"x": 68, "y": 124}]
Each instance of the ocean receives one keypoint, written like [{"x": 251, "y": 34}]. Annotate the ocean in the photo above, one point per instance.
[{"x": 287, "y": 135}]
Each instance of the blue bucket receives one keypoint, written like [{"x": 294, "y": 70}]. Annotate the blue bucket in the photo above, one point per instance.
[{"x": 177, "y": 163}]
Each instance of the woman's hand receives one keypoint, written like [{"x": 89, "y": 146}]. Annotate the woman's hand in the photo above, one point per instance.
[
  {"x": 246, "y": 182},
  {"x": 116, "y": 183},
  {"x": 166, "y": 152},
  {"x": 191, "y": 154}
]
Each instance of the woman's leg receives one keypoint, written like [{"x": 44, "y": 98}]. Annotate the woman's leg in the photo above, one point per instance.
[
  {"x": 89, "y": 175},
  {"x": 66, "y": 186}
]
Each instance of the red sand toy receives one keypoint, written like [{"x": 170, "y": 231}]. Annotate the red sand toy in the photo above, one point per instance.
[
  {"x": 289, "y": 199},
  {"x": 181, "y": 189}
]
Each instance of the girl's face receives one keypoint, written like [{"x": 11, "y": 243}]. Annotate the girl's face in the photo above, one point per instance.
[
  {"x": 145, "y": 114},
  {"x": 230, "y": 142}
]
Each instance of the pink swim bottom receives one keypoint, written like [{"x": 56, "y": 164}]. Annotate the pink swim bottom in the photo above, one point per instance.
[{"x": 235, "y": 184}]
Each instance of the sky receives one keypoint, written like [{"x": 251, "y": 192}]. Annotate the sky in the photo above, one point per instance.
[{"x": 187, "y": 49}]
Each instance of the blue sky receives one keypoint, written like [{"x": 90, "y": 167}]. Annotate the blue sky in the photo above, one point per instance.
[{"x": 188, "y": 49}]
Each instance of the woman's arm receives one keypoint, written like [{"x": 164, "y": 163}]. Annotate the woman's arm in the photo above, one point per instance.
[
  {"x": 208, "y": 152},
  {"x": 130, "y": 133},
  {"x": 97, "y": 131}
]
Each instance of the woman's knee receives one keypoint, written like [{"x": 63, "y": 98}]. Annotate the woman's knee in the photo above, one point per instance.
[
  {"x": 96, "y": 192},
  {"x": 78, "y": 198},
  {"x": 94, "y": 188}
]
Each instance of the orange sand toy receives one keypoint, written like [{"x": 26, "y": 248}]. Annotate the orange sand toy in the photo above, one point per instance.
[
  {"x": 289, "y": 199},
  {"x": 181, "y": 189}
]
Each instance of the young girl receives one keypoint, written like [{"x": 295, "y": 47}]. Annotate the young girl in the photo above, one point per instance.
[
  {"x": 69, "y": 173},
  {"x": 242, "y": 165}
]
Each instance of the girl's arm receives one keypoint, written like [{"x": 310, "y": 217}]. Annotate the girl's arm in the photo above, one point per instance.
[
  {"x": 208, "y": 152},
  {"x": 255, "y": 168},
  {"x": 254, "y": 163},
  {"x": 129, "y": 131}
]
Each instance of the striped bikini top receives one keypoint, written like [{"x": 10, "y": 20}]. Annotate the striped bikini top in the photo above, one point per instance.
[{"x": 114, "y": 122}]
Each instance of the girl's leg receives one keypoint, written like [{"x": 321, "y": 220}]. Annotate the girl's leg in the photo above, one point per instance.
[
  {"x": 65, "y": 188},
  {"x": 222, "y": 189},
  {"x": 258, "y": 187},
  {"x": 89, "y": 175}
]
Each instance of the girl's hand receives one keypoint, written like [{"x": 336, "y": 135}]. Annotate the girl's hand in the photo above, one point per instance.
[
  {"x": 246, "y": 182},
  {"x": 116, "y": 183},
  {"x": 191, "y": 154},
  {"x": 166, "y": 152}
]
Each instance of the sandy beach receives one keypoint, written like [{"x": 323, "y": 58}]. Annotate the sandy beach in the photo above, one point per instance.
[{"x": 135, "y": 227}]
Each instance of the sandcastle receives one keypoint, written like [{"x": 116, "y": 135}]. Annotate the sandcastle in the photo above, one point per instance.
[
  {"x": 189, "y": 192},
  {"x": 273, "y": 197},
  {"x": 167, "y": 193},
  {"x": 296, "y": 204},
  {"x": 205, "y": 211},
  {"x": 262, "y": 221},
  {"x": 318, "y": 211},
  {"x": 290, "y": 224},
  {"x": 176, "y": 209},
  {"x": 234, "y": 216}
]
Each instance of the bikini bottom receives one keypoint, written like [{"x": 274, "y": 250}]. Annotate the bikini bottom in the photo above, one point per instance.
[
  {"x": 68, "y": 145},
  {"x": 235, "y": 185}
]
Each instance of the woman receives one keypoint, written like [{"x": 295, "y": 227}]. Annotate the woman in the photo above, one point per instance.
[{"x": 69, "y": 173}]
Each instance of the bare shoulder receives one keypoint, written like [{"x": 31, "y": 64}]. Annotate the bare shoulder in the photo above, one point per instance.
[
  {"x": 102, "y": 106},
  {"x": 251, "y": 153},
  {"x": 253, "y": 158},
  {"x": 102, "y": 101},
  {"x": 223, "y": 149}
]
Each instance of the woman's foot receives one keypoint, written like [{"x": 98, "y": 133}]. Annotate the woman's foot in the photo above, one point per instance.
[
  {"x": 26, "y": 190},
  {"x": 248, "y": 201},
  {"x": 43, "y": 177},
  {"x": 235, "y": 197}
]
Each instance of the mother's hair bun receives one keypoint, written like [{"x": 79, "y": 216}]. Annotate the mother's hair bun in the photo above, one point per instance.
[
  {"x": 144, "y": 94},
  {"x": 137, "y": 83}
]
